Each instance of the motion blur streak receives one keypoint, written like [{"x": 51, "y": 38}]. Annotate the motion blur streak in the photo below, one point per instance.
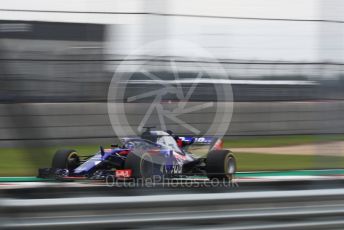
[
  {"x": 245, "y": 210},
  {"x": 285, "y": 64}
]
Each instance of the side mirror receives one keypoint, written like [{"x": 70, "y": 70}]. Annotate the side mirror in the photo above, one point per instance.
[{"x": 102, "y": 152}]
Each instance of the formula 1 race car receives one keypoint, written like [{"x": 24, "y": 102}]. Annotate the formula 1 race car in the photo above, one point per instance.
[{"x": 156, "y": 154}]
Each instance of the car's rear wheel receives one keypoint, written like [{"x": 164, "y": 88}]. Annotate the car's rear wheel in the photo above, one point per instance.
[
  {"x": 221, "y": 164},
  {"x": 66, "y": 159}
]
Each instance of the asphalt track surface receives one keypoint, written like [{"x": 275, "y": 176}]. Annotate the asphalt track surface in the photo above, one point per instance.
[
  {"x": 259, "y": 210},
  {"x": 306, "y": 199},
  {"x": 32, "y": 187}
]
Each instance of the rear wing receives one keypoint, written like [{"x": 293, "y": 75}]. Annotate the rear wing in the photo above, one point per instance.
[
  {"x": 198, "y": 140},
  {"x": 202, "y": 145}
]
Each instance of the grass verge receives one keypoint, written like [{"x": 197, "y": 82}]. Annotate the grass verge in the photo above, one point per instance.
[
  {"x": 26, "y": 161},
  {"x": 283, "y": 140},
  {"x": 267, "y": 162}
]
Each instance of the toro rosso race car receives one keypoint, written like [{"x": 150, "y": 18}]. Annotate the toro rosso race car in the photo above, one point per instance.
[{"x": 154, "y": 154}]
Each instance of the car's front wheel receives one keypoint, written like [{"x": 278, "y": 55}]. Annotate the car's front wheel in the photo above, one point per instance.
[{"x": 65, "y": 159}]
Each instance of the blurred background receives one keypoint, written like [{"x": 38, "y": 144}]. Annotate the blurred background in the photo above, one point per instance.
[{"x": 285, "y": 59}]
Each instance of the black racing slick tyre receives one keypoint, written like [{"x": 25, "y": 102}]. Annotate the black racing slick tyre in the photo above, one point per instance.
[
  {"x": 65, "y": 159},
  {"x": 221, "y": 164}
]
